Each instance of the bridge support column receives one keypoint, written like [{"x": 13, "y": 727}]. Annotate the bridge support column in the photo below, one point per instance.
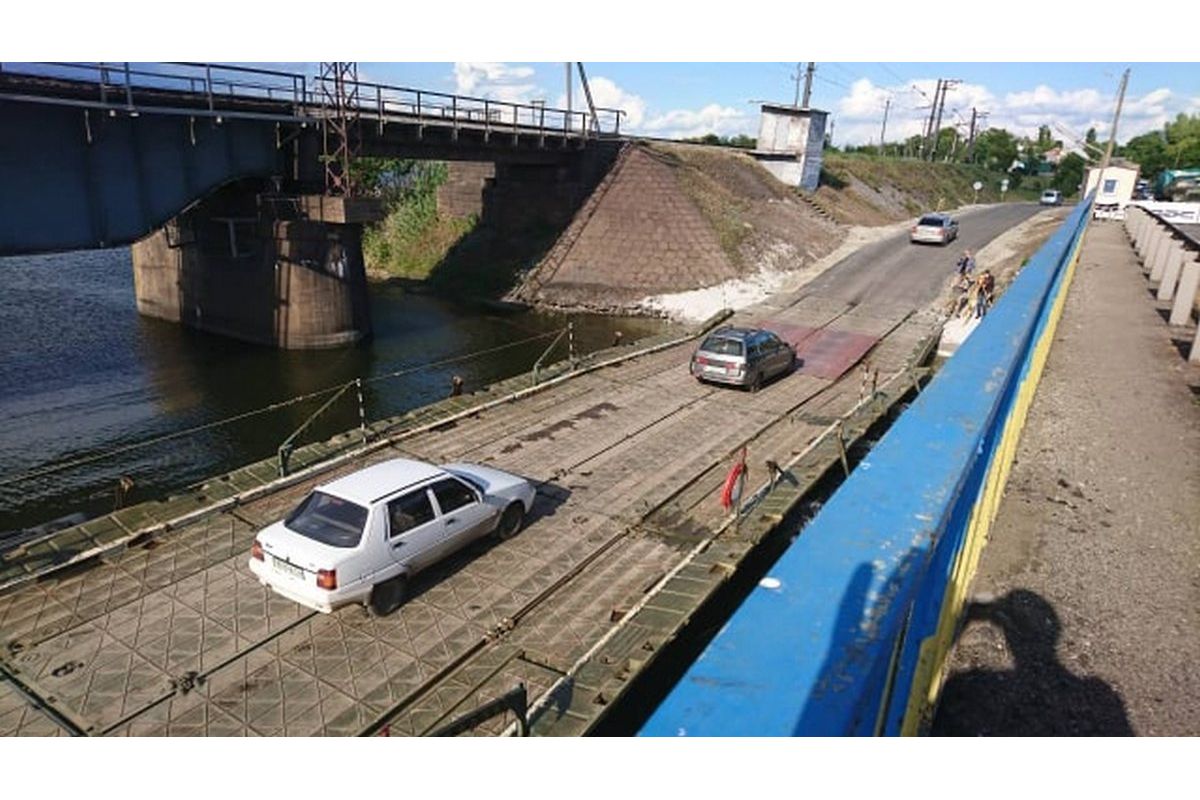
[{"x": 280, "y": 271}]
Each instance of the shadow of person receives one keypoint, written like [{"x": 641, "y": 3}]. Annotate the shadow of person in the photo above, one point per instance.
[{"x": 1040, "y": 697}]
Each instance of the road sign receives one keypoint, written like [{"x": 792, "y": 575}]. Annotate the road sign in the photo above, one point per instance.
[{"x": 977, "y": 185}]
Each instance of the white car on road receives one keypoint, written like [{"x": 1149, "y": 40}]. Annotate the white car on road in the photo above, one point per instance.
[
  {"x": 934, "y": 229},
  {"x": 360, "y": 538}
]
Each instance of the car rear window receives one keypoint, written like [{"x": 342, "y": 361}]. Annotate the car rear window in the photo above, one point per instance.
[
  {"x": 936, "y": 222},
  {"x": 722, "y": 346},
  {"x": 329, "y": 520}
]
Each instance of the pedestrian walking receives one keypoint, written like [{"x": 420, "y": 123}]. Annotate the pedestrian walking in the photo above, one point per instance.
[
  {"x": 966, "y": 264},
  {"x": 985, "y": 286}
]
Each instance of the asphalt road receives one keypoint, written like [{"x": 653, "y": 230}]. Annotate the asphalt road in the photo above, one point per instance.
[{"x": 893, "y": 269}]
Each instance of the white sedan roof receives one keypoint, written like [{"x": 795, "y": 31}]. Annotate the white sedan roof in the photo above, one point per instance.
[{"x": 379, "y": 480}]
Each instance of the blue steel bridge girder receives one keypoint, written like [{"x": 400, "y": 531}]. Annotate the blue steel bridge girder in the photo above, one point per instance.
[
  {"x": 106, "y": 158},
  {"x": 75, "y": 178}
]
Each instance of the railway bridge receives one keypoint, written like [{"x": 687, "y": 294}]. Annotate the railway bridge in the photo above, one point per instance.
[{"x": 235, "y": 184}]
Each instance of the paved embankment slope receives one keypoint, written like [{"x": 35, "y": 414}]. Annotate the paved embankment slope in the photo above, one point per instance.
[{"x": 1086, "y": 615}]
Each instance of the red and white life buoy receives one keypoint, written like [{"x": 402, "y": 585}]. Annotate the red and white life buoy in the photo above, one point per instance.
[{"x": 735, "y": 483}]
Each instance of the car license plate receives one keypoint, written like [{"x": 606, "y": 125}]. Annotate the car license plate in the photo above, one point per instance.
[{"x": 286, "y": 568}]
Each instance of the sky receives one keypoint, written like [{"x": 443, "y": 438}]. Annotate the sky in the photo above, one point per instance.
[
  {"x": 676, "y": 99},
  {"x": 682, "y": 69}
]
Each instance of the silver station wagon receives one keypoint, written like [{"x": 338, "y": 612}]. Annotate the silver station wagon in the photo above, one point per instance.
[
  {"x": 934, "y": 229},
  {"x": 360, "y": 538},
  {"x": 742, "y": 357}
]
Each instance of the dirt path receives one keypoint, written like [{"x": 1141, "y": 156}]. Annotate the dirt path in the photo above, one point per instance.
[{"x": 1086, "y": 613}]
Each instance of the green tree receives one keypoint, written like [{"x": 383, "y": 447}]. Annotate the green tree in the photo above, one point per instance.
[
  {"x": 1045, "y": 140},
  {"x": 1148, "y": 151},
  {"x": 1070, "y": 174},
  {"x": 996, "y": 149},
  {"x": 1183, "y": 142},
  {"x": 947, "y": 142}
]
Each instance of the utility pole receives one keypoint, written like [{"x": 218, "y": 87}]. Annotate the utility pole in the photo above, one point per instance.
[
  {"x": 947, "y": 85},
  {"x": 971, "y": 134},
  {"x": 808, "y": 76},
  {"x": 796, "y": 77},
  {"x": 567, "y": 64},
  {"x": 932, "y": 113},
  {"x": 1112, "y": 138},
  {"x": 883, "y": 132},
  {"x": 978, "y": 118}
]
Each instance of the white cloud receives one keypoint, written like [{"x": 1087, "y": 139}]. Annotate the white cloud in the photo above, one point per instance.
[
  {"x": 606, "y": 94},
  {"x": 858, "y": 114},
  {"x": 712, "y": 118},
  {"x": 495, "y": 81},
  {"x": 674, "y": 124}
]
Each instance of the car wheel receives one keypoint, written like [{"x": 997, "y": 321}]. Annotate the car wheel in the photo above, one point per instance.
[
  {"x": 757, "y": 383},
  {"x": 386, "y": 597},
  {"x": 511, "y": 521}
]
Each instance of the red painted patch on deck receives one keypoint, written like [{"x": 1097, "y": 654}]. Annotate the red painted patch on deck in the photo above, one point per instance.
[{"x": 828, "y": 354}]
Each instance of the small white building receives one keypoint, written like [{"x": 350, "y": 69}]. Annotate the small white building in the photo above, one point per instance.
[
  {"x": 791, "y": 141},
  {"x": 1114, "y": 189}
]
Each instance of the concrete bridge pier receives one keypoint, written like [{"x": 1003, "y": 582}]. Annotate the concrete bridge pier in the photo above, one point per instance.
[{"x": 246, "y": 262}]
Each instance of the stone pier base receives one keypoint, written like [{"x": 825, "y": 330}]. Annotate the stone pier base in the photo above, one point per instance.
[{"x": 285, "y": 272}]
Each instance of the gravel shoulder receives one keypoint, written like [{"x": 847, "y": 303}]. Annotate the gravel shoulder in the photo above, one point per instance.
[{"x": 1085, "y": 618}]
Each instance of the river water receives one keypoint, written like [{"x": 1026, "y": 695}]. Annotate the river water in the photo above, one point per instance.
[{"x": 81, "y": 373}]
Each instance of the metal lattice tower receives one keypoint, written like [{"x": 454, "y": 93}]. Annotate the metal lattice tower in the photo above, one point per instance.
[{"x": 341, "y": 138}]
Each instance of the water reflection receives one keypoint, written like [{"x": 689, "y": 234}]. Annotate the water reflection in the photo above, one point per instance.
[{"x": 81, "y": 372}]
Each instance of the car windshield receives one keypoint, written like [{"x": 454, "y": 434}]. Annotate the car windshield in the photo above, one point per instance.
[
  {"x": 722, "y": 346},
  {"x": 329, "y": 520},
  {"x": 934, "y": 221}
]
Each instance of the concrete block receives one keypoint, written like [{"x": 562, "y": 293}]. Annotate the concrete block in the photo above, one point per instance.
[
  {"x": 1156, "y": 239},
  {"x": 1144, "y": 242},
  {"x": 1170, "y": 276},
  {"x": 1144, "y": 221},
  {"x": 1185, "y": 298},
  {"x": 954, "y": 333},
  {"x": 1133, "y": 219},
  {"x": 1160, "y": 259}
]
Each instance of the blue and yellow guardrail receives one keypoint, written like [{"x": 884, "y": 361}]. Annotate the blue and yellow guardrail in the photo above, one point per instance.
[{"x": 851, "y": 635}]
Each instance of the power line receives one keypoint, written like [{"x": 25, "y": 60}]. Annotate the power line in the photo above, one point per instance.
[
  {"x": 891, "y": 72},
  {"x": 835, "y": 83}
]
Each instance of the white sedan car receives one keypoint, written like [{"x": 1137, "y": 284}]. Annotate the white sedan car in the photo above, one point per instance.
[
  {"x": 360, "y": 538},
  {"x": 934, "y": 229}
]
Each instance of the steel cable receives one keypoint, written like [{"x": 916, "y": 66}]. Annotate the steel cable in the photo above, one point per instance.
[{"x": 77, "y": 462}]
